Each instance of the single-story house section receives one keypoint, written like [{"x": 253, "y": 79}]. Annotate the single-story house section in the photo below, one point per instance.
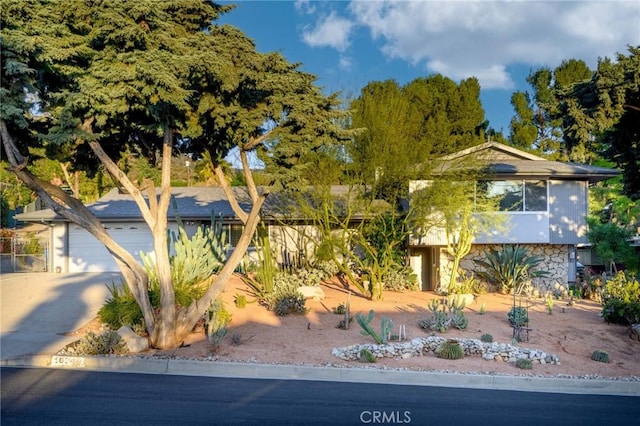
[
  {"x": 75, "y": 250},
  {"x": 544, "y": 203}
]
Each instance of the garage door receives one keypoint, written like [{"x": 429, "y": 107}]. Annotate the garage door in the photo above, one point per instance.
[{"x": 87, "y": 254}]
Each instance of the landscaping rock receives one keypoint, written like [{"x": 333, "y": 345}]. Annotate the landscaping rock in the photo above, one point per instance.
[
  {"x": 311, "y": 292},
  {"x": 135, "y": 343},
  {"x": 500, "y": 352}
]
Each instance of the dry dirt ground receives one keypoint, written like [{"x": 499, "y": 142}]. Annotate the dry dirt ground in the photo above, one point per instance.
[{"x": 571, "y": 332}]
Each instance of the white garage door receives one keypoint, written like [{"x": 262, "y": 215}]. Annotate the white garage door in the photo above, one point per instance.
[{"x": 87, "y": 254}]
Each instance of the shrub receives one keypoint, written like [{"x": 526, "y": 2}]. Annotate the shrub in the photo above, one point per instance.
[
  {"x": 524, "y": 364},
  {"x": 600, "y": 356},
  {"x": 622, "y": 299},
  {"x": 486, "y": 338},
  {"x": 400, "y": 280},
  {"x": 518, "y": 316},
  {"x": 120, "y": 308},
  {"x": 106, "y": 343},
  {"x": 449, "y": 349},
  {"x": 289, "y": 304}
]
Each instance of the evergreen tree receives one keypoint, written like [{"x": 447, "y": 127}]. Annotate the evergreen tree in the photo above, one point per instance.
[{"x": 111, "y": 77}]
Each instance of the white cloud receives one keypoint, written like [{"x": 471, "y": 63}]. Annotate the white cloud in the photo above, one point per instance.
[
  {"x": 304, "y": 7},
  {"x": 330, "y": 31},
  {"x": 462, "y": 39},
  {"x": 345, "y": 64}
]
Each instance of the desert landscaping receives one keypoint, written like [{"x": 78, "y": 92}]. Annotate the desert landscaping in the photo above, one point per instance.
[{"x": 571, "y": 332}]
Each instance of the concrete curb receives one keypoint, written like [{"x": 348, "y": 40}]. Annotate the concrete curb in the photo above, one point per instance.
[{"x": 354, "y": 375}]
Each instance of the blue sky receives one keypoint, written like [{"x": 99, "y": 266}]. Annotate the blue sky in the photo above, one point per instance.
[{"x": 347, "y": 44}]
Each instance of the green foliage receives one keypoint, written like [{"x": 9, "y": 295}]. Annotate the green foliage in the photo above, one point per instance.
[
  {"x": 449, "y": 349},
  {"x": 4, "y": 211},
  {"x": 264, "y": 282},
  {"x": 106, "y": 343},
  {"x": 240, "y": 300},
  {"x": 600, "y": 356},
  {"x": 610, "y": 244},
  {"x": 200, "y": 256},
  {"x": 600, "y": 115},
  {"x": 509, "y": 268},
  {"x": 386, "y": 155},
  {"x": 386, "y": 234},
  {"x": 366, "y": 355},
  {"x": 549, "y": 303},
  {"x": 341, "y": 309},
  {"x": 400, "y": 280},
  {"x": 483, "y": 308},
  {"x": 216, "y": 320},
  {"x": 524, "y": 364},
  {"x": 486, "y": 338},
  {"x": 445, "y": 316},
  {"x": 518, "y": 316},
  {"x": 32, "y": 245},
  {"x": 289, "y": 304},
  {"x": 621, "y": 299},
  {"x": 120, "y": 308},
  {"x": 386, "y": 325}
]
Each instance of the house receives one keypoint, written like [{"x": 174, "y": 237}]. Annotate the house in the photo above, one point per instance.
[
  {"x": 543, "y": 203},
  {"x": 72, "y": 249}
]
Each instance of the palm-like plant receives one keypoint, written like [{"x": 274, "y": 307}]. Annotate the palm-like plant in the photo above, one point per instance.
[{"x": 509, "y": 268}]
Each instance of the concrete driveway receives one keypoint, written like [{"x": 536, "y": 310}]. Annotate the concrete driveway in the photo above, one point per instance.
[{"x": 37, "y": 309}]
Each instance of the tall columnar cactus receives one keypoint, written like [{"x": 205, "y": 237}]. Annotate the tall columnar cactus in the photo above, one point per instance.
[{"x": 385, "y": 327}]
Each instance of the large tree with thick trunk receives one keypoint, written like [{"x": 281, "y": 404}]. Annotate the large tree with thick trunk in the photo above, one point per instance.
[{"x": 92, "y": 78}]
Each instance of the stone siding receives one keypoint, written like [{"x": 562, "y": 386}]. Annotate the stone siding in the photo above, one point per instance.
[{"x": 555, "y": 262}]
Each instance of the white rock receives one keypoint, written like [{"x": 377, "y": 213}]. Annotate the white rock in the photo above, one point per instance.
[
  {"x": 135, "y": 343},
  {"x": 311, "y": 292}
]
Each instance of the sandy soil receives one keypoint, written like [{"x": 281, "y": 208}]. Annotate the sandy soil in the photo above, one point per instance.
[{"x": 571, "y": 332}]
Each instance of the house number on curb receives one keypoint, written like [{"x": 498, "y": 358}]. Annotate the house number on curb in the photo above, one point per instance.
[{"x": 65, "y": 361}]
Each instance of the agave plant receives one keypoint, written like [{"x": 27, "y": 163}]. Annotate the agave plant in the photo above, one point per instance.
[{"x": 509, "y": 268}]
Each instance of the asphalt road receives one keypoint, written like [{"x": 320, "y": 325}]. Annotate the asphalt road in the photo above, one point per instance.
[{"x": 47, "y": 396}]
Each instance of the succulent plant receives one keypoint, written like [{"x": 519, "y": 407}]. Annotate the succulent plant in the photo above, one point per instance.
[
  {"x": 366, "y": 355},
  {"x": 486, "y": 338},
  {"x": 600, "y": 356},
  {"x": 449, "y": 349},
  {"x": 524, "y": 364}
]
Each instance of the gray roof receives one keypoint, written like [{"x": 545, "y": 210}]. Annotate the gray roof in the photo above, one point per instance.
[
  {"x": 499, "y": 160},
  {"x": 551, "y": 169},
  {"x": 193, "y": 203}
]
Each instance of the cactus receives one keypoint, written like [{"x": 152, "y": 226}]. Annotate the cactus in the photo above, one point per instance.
[
  {"x": 366, "y": 355},
  {"x": 449, "y": 349},
  {"x": 486, "y": 338},
  {"x": 600, "y": 356},
  {"x": 385, "y": 327},
  {"x": 524, "y": 364},
  {"x": 460, "y": 320},
  {"x": 444, "y": 317}
]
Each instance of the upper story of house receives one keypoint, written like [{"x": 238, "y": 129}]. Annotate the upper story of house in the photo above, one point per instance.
[{"x": 536, "y": 201}]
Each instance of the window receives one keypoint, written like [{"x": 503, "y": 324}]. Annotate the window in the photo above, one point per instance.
[
  {"x": 235, "y": 231},
  {"x": 516, "y": 195}
]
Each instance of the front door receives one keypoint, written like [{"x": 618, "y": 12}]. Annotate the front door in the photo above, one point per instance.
[{"x": 431, "y": 269}]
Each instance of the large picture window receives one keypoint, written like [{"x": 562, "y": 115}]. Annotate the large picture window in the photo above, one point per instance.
[{"x": 516, "y": 195}]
